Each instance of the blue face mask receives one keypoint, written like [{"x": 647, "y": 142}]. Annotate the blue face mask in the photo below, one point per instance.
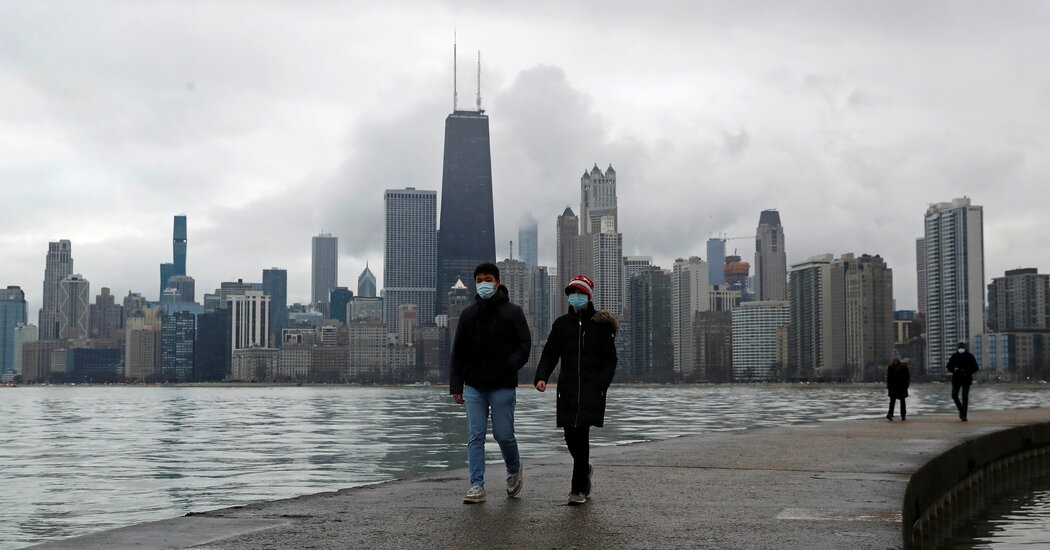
[
  {"x": 486, "y": 290},
  {"x": 961, "y": 350},
  {"x": 578, "y": 301}
]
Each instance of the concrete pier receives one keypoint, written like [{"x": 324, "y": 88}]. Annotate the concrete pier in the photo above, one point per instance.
[{"x": 831, "y": 485}]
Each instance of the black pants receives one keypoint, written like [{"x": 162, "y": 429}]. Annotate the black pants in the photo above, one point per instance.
[
  {"x": 904, "y": 407},
  {"x": 964, "y": 403},
  {"x": 578, "y": 440}
]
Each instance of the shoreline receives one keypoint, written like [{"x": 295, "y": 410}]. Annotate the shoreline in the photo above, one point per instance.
[
  {"x": 882, "y": 385},
  {"x": 820, "y": 485}
]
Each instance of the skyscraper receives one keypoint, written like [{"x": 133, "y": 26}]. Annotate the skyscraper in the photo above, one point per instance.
[
  {"x": 74, "y": 313},
  {"x": 607, "y": 266},
  {"x": 954, "y": 239},
  {"x": 597, "y": 200},
  {"x": 325, "y": 261},
  {"x": 690, "y": 293},
  {"x": 528, "y": 243},
  {"x": 632, "y": 265},
  {"x": 568, "y": 236},
  {"x": 716, "y": 259},
  {"x": 514, "y": 275},
  {"x": 410, "y": 262},
  {"x": 818, "y": 325},
  {"x": 275, "y": 285},
  {"x": 366, "y": 284},
  {"x": 177, "y": 332},
  {"x": 652, "y": 348},
  {"x": 869, "y": 316},
  {"x": 756, "y": 327},
  {"x": 340, "y": 299},
  {"x": 24, "y": 334},
  {"x": 920, "y": 267},
  {"x": 467, "y": 236},
  {"x": 106, "y": 316},
  {"x": 249, "y": 320},
  {"x": 59, "y": 266},
  {"x": 770, "y": 258},
  {"x": 178, "y": 245},
  {"x": 12, "y": 313},
  {"x": 1019, "y": 300}
]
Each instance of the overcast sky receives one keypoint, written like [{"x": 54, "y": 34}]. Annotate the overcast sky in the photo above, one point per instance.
[{"x": 267, "y": 123}]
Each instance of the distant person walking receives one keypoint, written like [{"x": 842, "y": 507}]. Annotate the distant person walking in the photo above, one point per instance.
[
  {"x": 492, "y": 343},
  {"x": 898, "y": 378},
  {"x": 962, "y": 364},
  {"x": 582, "y": 340}
]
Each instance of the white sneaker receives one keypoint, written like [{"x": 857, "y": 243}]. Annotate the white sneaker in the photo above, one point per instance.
[
  {"x": 475, "y": 495},
  {"x": 575, "y": 499}
]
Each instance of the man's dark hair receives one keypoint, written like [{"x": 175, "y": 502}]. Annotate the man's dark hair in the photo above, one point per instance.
[
  {"x": 961, "y": 344},
  {"x": 486, "y": 269}
]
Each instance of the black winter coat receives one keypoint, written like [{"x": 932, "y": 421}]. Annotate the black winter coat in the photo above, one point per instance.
[
  {"x": 898, "y": 378},
  {"x": 492, "y": 343},
  {"x": 966, "y": 364},
  {"x": 584, "y": 344}
]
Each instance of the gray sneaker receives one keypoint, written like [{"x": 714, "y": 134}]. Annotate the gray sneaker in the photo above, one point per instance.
[
  {"x": 475, "y": 495},
  {"x": 576, "y": 499},
  {"x": 515, "y": 481}
]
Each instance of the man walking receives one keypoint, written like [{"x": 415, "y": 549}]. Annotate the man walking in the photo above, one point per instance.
[
  {"x": 962, "y": 364},
  {"x": 492, "y": 343}
]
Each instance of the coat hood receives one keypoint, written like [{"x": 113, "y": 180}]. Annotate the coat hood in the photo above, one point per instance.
[{"x": 605, "y": 316}]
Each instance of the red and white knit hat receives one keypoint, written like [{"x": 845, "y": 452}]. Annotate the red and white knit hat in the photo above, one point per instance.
[{"x": 582, "y": 283}]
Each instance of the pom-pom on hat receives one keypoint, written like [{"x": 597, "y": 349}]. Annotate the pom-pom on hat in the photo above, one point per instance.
[{"x": 581, "y": 283}]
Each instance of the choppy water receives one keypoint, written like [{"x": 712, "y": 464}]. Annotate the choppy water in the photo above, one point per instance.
[{"x": 75, "y": 460}]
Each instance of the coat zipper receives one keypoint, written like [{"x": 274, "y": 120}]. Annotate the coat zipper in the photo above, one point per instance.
[{"x": 579, "y": 376}]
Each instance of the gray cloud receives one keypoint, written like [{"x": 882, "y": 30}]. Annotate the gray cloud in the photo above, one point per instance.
[{"x": 848, "y": 118}]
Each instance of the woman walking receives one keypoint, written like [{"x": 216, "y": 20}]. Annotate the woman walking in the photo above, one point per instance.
[
  {"x": 582, "y": 340},
  {"x": 898, "y": 378}
]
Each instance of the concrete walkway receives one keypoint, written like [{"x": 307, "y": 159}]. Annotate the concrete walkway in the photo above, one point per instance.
[{"x": 833, "y": 485}]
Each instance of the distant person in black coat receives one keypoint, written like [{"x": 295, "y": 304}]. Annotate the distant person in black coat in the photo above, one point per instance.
[
  {"x": 582, "y": 340},
  {"x": 962, "y": 365},
  {"x": 898, "y": 378}
]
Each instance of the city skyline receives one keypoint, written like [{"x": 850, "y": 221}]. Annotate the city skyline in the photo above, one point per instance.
[{"x": 849, "y": 145}]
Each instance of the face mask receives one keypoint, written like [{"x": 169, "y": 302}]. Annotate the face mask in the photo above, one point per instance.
[
  {"x": 486, "y": 290},
  {"x": 578, "y": 301},
  {"x": 961, "y": 350}
]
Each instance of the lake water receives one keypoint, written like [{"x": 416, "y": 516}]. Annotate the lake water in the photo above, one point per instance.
[
  {"x": 1020, "y": 522},
  {"x": 75, "y": 460}
]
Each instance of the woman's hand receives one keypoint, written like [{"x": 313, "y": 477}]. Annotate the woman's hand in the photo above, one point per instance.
[{"x": 541, "y": 385}]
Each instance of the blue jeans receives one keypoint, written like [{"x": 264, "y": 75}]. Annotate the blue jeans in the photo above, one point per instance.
[{"x": 501, "y": 402}]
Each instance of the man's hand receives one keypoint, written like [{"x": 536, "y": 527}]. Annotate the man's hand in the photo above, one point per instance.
[
  {"x": 458, "y": 398},
  {"x": 541, "y": 385}
]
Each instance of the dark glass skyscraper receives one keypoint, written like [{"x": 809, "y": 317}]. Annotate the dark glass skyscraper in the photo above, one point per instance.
[
  {"x": 275, "y": 285},
  {"x": 467, "y": 236},
  {"x": 178, "y": 245}
]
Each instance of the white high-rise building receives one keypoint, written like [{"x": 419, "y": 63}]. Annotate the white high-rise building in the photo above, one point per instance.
[
  {"x": 755, "y": 329},
  {"x": 249, "y": 320},
  {"x": 690, "y": 293},
  {"x": 954, "y": 274},
  {"x": 608, "y": 270}
]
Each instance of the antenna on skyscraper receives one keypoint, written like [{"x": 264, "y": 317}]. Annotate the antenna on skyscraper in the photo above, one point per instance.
[
  {"x": 512, "y": 250},
  {"x": 455, "y": 83},
  {"x": 479, "y": 82}
]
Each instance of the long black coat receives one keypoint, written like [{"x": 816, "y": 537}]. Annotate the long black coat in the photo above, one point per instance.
[
  {"x": 962, "y": 366},
  {"x": 898, "y": 378},
  {"x": 584, "y": 345},
  {"x": 492, "y": 343}
]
